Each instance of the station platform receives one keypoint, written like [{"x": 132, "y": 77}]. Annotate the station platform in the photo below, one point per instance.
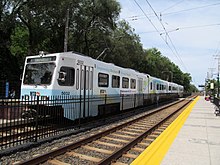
[{"x": 192, "y": 139}]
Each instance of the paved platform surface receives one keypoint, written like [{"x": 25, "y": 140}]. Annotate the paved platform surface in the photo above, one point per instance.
[{"x": 198, "y": 142}]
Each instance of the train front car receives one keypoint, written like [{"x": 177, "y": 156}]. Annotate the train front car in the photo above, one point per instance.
[
  {"x": 53, "y": 84},
  {"x": 37, "y": 85},
  {"x": 37, "y": 77},
  {"x": 48, "y": 81}
]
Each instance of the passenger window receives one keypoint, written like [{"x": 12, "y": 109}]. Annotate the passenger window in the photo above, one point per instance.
[
  {"x": 151, "y": 86},
  {"x": 103, "y": 80},
  {"x": 133, "y": 83},
  {"x": 115, "y": 81},
  {"x": 125, "y": 82},
  {"x": 82, "y": 80},
  {"x": 91, "y": 80},
  {"x": 77, "y": 79},
  {"x": 169, "y": 88},
  {"x": 87, "y": 80},
  {"x": 67, "y": 76}
]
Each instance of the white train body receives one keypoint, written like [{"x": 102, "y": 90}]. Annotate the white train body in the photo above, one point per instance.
[{"x": 67, "y": 74}]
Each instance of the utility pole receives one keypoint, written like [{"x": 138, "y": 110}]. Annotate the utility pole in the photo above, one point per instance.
[
  {"x": 171, "y": 75},
  {"x": 218, "y": 58},
  {"x": 66, "y": 29},
  {"x": 211, "y": 70}
]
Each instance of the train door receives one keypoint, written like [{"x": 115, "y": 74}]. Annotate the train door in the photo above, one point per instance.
[
  {"x": 66, "y": 75},
  {"x": 84, "y": 86},
  {"x": 140, "y": 92},
  {"x": 140, "y": 85}
]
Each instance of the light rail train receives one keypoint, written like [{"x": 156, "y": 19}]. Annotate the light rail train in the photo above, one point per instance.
[{"x": 74, "y": 74}]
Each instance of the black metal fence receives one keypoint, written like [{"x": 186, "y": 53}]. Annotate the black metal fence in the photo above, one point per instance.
[
  {"x": 216, "y": 102},
  {"x": 28, "y": 120}
]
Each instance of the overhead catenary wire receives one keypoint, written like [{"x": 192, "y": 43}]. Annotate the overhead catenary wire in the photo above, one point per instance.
[
  {"x": 167, "y": 34},
  {"x": 154, "y": 26},
  {"x": 193, "y": 33},
  {"x": 174, "y": 51},
  {"x": 190, "y": 9},
  {"x": 186, "y": 27},
  {"x": 170, "y": 13},
  {"x": 173, "y": 5}
]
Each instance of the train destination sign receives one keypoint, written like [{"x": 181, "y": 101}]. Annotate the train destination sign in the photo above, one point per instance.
[{"x": 41, "y": 59}]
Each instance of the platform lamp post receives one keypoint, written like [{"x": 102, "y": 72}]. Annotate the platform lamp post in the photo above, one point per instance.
[
  {"x": 218, "y": 58},
  {"x": 171, "y": 75},
  {"x": 218, "y": 85}
]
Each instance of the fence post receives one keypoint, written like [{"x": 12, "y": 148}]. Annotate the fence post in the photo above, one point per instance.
[
  {"x": 80, "y": 110},
  {"x": 36, "y": 118},
  {"x": 105, "y": 104},
  {"x": 134, "y": 100},
  {"x": 218, "y": 103},
  {"x": 122, "y": 102}
]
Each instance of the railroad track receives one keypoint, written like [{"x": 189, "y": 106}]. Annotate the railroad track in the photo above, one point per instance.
[
  {"x": 119, "y": 144},
  {"x": 19, "y": 132},
  {"x": 22, "y": 130}
]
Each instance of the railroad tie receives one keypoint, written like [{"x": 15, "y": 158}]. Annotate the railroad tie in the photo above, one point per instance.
[
  {"x": 97, "y": 149},
  {"x": 56, "y": 162},
  {"x": 85, "y": 157}
]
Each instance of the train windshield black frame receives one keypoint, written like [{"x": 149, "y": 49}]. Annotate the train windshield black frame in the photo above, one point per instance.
[{"x": 39, "y": 73}]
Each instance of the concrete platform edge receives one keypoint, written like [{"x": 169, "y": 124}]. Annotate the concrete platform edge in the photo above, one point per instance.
[{"x": 158, "y": 149}]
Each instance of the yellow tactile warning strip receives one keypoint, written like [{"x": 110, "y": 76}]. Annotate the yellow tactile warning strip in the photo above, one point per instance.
[{"x": 154, "y": 154}]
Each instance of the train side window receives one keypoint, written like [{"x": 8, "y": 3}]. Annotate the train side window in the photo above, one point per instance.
[
  {"x": 125, "y": 82},
  {"x": 157, "y": 86},
  {"x": 115, "y": 81},
  {"x": 169, "y": 88},
  {"x": 151, "y": 86},
  {"x": 87, "y": 80},
  {"x": 77, "y": 79},
  {"x": 82, "y": 80},
  {"x": 103, "y": 80},
  {"x": 91, "y": 80},
  {"x": 133, "y": 84},
  {"x": 66, "y": 76}
]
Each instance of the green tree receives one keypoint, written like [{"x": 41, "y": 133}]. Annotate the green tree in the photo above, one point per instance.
[
  {"x": 125, "y": 47},
  {"x": 45, "y": 21},
  {"x": 19, "y": 43},
  {"x": 91, "y": 26},
  {"x": 8, "y": 62}
]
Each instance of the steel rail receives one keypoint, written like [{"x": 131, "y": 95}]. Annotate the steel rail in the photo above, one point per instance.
[
  {"x": 44, "y": 157},
  {"x": 118, "y": 153}
]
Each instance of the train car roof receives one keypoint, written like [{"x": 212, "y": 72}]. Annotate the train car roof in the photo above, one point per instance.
[{"x": 86, "y": 58}]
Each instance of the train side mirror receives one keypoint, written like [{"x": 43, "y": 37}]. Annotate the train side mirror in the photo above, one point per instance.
[
  {"x": 62, "y": 76},
  {"x": 21, "y": 77}
]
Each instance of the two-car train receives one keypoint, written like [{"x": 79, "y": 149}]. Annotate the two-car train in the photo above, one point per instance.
[{"x": 73, "y": 74}]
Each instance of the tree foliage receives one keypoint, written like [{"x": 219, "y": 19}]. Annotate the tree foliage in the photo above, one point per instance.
[{"x": 27, "y": 27}]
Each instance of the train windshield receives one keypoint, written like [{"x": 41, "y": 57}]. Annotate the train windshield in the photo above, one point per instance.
[{"x": 38, "y": 73}]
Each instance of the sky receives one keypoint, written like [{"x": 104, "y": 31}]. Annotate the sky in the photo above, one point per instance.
[{"x": 185, "y": 31}]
